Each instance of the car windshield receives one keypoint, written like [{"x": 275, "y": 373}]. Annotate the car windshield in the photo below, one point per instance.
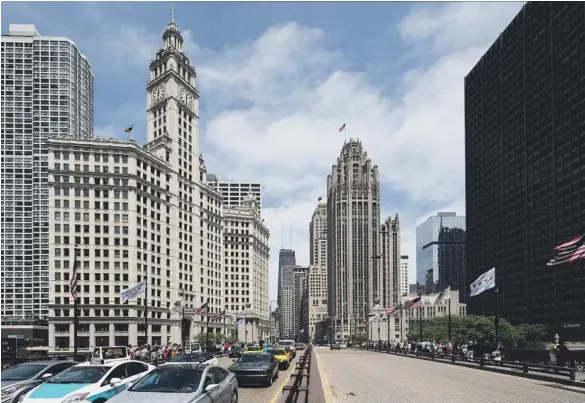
[
  {"x": 186, "y": 358},
  {"x": 22, "y": 372},
  {"x": 170, "y": 379},
  {"x": 277, "y": 352},
  {"x": 250, "y": 358},
  {"x": 81, "y": 375}
]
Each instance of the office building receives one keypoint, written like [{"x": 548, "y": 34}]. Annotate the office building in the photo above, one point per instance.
[
  {"x": 440, "y": 253},
  {"x": 525, "y": 166},
  {"x": 135, "y": 213},
  {"x": 235, "y": 193},
  {"x": 353, "y": 231},
  {"x": 317, "y": 282},
  {"x": 286, "y": 257},
  {"x": 246, "y": 265},
  {"x": 294, "y": 286},
  {"x": 403, "y": 275},
  {"x": 389, "y": 261},
  {"x": 47, "y": 91}
]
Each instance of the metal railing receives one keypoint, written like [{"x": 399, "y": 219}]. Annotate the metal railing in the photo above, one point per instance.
[
  {"x": 511, "y": 367},
  {"x": 303, "y": 386}
]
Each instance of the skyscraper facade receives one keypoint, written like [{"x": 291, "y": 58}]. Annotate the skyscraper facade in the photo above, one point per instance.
[
  {"x": 294, "y": 286},
  {"x": 317, "y": 282},
  {"x": 440, "y": 253},
  {"x": 389, "y": 261},
  {"x": 403, "y": 275},
  {"x": 286, "y": 257},
  {"x": 235, "y": 193},
  {"x": 353, "y": 231},
  {"x": 525, "y": 165},
  {"x": 131, "y": 213},
  {"x": 47, "y": 91}
]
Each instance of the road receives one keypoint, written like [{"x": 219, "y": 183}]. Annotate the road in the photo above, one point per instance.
[
  {"x": 368, "y": 377},
  {"x": 255, "y": 394}
]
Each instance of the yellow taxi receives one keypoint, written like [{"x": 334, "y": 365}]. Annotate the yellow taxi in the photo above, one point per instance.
[{"x": 279, "y": 353}]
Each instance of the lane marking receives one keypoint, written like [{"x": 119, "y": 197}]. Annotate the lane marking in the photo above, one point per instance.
[
  {"x": 329, "y": 397},
  {"x": 286, "y": 380}
]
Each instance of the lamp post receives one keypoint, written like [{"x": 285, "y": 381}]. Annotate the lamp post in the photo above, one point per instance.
[{"x": 248, "y": 305}]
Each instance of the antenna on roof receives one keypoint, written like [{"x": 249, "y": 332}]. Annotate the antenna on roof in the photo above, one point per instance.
[
  {"x": 282, "y": 237},
  {"x": 291, "y": 237}
]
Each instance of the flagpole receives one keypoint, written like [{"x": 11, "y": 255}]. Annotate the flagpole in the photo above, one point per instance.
[
  {"x": 182, "y": 318},
  {"x": 497, "y": 317},
  {"x": 450, "y": 340},
  {"x": 75, "y": 304},
  {"x": 420, "y": 313},
  {"x": 401, "y": 318},
  {"x": 224, "y": 327},
  {"x": 207, "y": 335},
  {"x": 146, "y": 308}
]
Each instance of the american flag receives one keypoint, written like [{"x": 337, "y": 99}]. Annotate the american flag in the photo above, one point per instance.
[
  {"x": 390, "y": 310},
  {"x": 569, "y": 252},
  {"x": 218, "y": 316},
  {"x": 73, "y": 281},
  {"x": 342, "y": 128},
  {"x": 203, "y": 308},
  {"x": 415, "y": 303}
]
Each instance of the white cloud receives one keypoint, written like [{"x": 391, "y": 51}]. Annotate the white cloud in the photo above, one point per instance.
[{"x": 287, "y": 138}]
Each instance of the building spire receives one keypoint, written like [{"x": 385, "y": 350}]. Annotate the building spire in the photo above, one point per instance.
[{"x": 172, "y": 12}]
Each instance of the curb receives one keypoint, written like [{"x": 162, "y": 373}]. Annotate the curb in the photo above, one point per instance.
[{"x": 538, "y": 377}]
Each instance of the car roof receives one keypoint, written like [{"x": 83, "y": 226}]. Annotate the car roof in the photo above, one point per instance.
[
  {"x": 255, "y": 353},
  {"x": 106, "y": 363},
  {"x": 44, "y": 362}
]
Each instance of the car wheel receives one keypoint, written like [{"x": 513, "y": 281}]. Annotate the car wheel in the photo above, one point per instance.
[
  {"x": 234, "y": 398},
  {"x": 269, "y": 381}
]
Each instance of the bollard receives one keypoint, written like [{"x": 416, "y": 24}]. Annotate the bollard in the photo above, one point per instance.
[
  {"x": 525, "y": 367},
  {"x": 452, "y": 357},
  {"x": 482, "y": 361},
  {"x": 572, "y": 374}
]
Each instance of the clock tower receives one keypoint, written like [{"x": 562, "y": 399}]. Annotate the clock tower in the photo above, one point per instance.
[{"x": 173, "y": 105}]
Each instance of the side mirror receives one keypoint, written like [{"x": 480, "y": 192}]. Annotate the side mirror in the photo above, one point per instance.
[
  {"x": 115, "y": 381},
  {"x": 212, "y": 387},
  {"x": 47, "y": 376}
]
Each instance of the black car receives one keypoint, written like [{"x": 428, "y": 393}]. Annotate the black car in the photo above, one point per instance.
[
  {"x": 255, "y": 368},
  {"x": 236, "y": 352},
  {"x": 335, "y": 346}
]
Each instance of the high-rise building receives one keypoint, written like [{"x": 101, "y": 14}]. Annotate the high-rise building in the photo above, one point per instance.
[
  {"x": 294, "y": 286},
  {"x": 353, "y": 236},
  {"x": 525, "y": 165},
  {"x": 389, "y": 261},
  {"x": 47, "y": 91},
  {"x": 235, "y": 193},
  {"x": 246, "y": 265},
  {"x": 317, "y": 282},
  {"x": 286, "y": 257},
  {"x": 135, "y": 213},
  {"x": 403, "y": 275},
  {"x": 440, "y": 253}
]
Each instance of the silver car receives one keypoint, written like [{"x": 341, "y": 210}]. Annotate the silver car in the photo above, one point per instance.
[
  {"x": 22, "y": 378},
  {"x": 182, "y": 383}
]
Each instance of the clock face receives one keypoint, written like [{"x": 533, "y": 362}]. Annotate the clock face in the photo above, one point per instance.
[
  {"x": 190, "y": 100},
  {"x": 161, "y": 92},
  {"x": 154, "y": 95},
  {"x": 182, "y": 95}
]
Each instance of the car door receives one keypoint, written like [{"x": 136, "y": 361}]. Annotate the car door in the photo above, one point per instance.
[
  {"x": 134, "y": 371},
  {"x": 106, "y": 390},
  {"x": 225, "y": 392},
  {"x": 212, "y": 396}
]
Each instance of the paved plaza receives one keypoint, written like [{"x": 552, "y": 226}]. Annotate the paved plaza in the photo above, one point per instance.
[{"x": 368, "y": 377}]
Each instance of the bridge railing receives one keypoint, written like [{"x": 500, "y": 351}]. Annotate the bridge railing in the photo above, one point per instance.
[
  {"x": 483, "y": 362},
  {"x": 304, "y": 383}
]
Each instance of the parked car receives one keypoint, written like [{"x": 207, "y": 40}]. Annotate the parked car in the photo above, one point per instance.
[
  {"x": 22, "y": 378},
  {"x": 96, "y": 381},
  {"x": 187, "y": 382},
  {"x": 255, "y": 368},
  {"x": 335, "y": 346},
  {"x": 236, "y": 352},
  {"x": 201, "y": 358}
]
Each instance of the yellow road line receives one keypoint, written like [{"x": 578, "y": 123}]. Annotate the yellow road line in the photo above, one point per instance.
[
  {"x": 284, "y": 383},
  {"x": 329, "y": 397}
]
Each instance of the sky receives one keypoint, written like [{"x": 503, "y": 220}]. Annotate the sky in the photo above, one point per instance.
[{"x": 277, "y": 80}]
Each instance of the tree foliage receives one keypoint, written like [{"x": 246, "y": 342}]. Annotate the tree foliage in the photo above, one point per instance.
[
  {"x": 214, "y": 338},
  {"x": 480, "y": 329}
]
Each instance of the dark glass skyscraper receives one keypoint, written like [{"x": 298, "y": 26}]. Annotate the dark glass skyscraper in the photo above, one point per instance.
[
  {"x": 525, "y": 165},
  {"x": 440, "y": 253},
  {"x": 286, "y": 257}
]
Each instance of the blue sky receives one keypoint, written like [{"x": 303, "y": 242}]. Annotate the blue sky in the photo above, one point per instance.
[{"x": 278, "y": 79}]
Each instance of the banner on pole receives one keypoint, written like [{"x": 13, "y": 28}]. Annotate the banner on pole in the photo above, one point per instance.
[
  {"x": 134, "y": 292},
  {"x": 484, "y": 282}
]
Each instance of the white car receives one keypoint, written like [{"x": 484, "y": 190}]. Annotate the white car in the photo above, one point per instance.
[
  {"x": 200, "y": 358},
  {"x": 95, "y": 381},
  {"x": 343, "y": 345}
]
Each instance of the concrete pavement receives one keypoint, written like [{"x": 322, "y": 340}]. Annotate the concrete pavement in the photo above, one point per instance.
[
  {"x": 256, "y": 394},
  {"x": 368, "y": 377}
]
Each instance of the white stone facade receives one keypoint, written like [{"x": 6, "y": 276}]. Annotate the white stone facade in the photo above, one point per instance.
[
  {"x": 137, "y": 213},
  {"x": 317, "y": 299},
  {"x": 403, "y": 275}
]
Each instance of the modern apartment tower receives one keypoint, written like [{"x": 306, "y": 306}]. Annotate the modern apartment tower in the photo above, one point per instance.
[
  {"x": 525, "y": 166},
  {"x": 353, "y": 231},
  {"x": 47, "y": 91},
  {"x": 294, "y": 286},
  {"x": 286, "y": 257},
  {"x": 440, "y": 253},
  {"x": 403, "y": 275}
]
